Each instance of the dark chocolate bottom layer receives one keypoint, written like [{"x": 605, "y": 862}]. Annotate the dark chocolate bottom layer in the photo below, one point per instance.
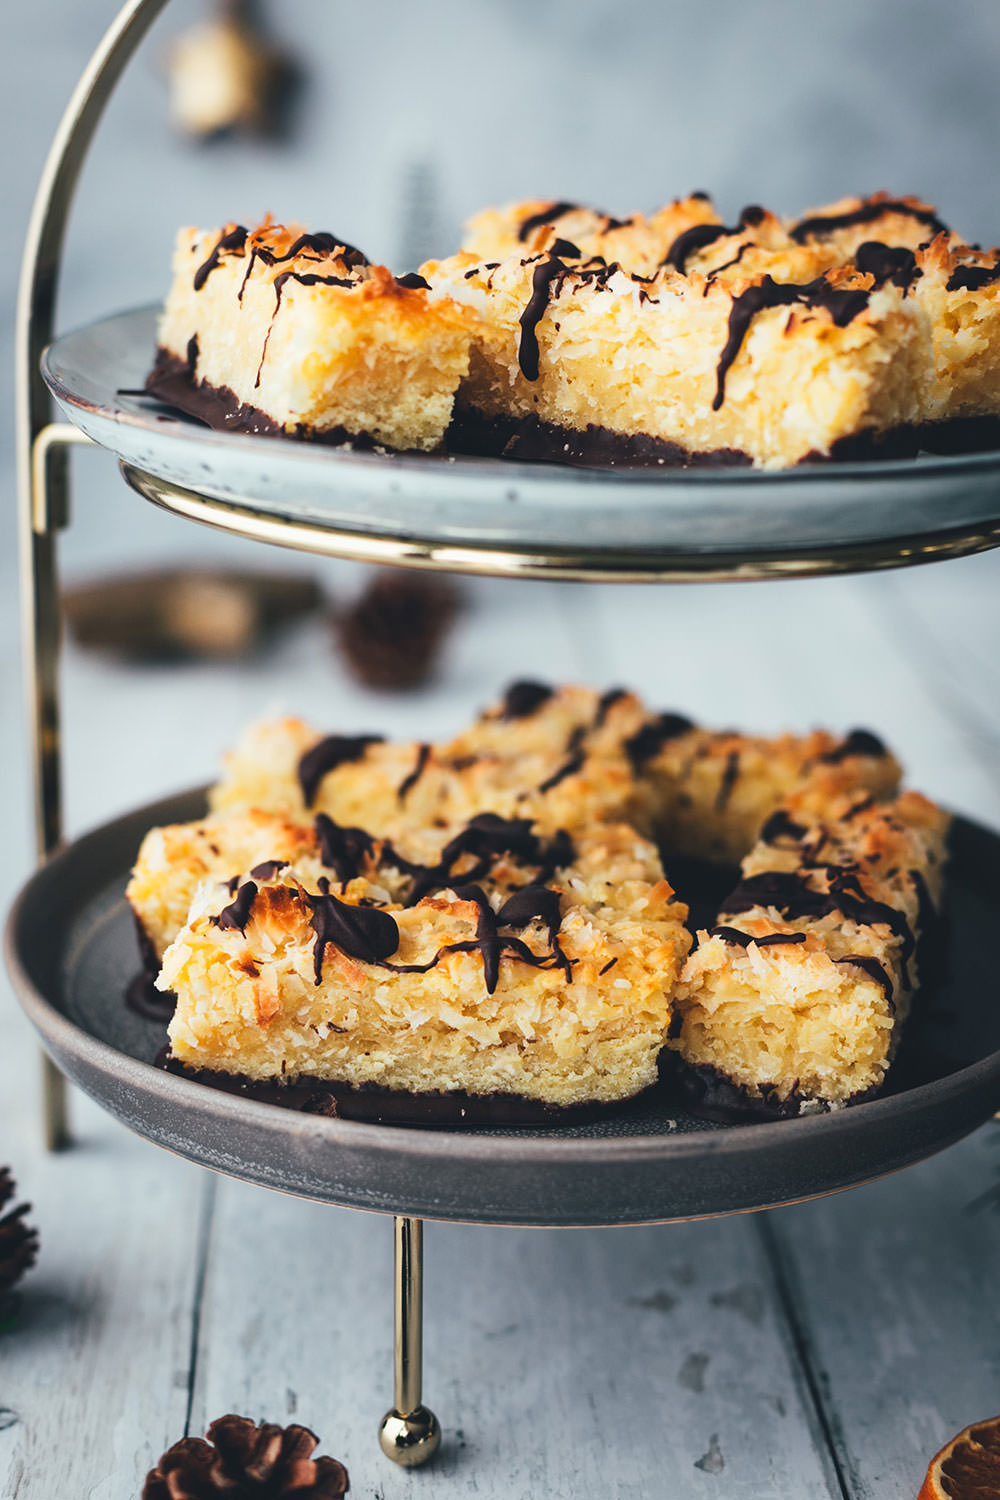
[
  {"x": 711, "y": 1095},
  {"x": 391, "y": 1107},
  {"x": 530, "y": 440},
  {"x": 141, "y": 994},
  {"x": 961, "y": 435},
  {"x": 527, "y": 439},
  {"x": 171, "y": 382}
]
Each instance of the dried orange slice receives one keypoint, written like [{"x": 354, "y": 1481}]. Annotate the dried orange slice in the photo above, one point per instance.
[{"x": 967, "y": 1468}]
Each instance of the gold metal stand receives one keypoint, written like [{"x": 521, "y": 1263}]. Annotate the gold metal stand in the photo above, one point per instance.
[
  {"x": 409, "y": 1433},
  {"x": 638, "y": 565},
  {"x": 44, "y": 512},
  {"x": 42, "y": 448}
]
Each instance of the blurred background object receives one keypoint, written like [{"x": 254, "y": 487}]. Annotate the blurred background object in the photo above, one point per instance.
[
  {"x": 18, "y": 1239},
  {"x": 176, "y": 613},
  {"x": 392, "y": 635},
  {"x": 226, "y": 75}
]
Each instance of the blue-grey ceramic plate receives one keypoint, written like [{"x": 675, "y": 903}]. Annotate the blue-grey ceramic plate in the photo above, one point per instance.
[{"x": 492, "y": 515}]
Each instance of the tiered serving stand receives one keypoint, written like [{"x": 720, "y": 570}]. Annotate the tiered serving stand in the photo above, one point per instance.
[{"x": 70, "y": 947}]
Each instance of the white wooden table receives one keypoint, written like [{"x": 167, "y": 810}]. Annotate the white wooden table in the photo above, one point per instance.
[{"x": 824, "y": 1350}]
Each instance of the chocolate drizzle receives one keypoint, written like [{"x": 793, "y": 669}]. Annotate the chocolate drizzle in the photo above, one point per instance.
[
  {"x": 320, "y": 245},
  {"x": 568, "y": 768},
  {"x": 647, "y": 743},
  {"x": 874, "y": 970},
  {"x": 524, "y": 698},
  {"x": 519, "y": 909},
  {"x": 545, "y": 273},
  {"x": 414, "y": 282},
  {"x": 362, "y": 932},
  {"x": 858, "y": 742},
  {"x": 343, "y": 849},
  {"x": 409, "y": 782},
  {"x": 370, "y": 934},
  {"x": 606, "y": 703},
  {"x": 690, "y": 241},
  {"x": 819, "y": 226},
  {"x": 843, "y": 304},
  {"x": 267, "y": 869},
  {"x": 306, "y": 278},
  {"x": 336, "y": 750},
  {"x": 738, "y": 939},
  {"x": 537, "y": 903},
  {"x": 235, "y": 239},
  {"x": 487, "y": 936},
  {"x": 236, "y": 916},
  {"x": 547, "y": 215},
  {"x": 780, "y": 826},
  {"x": 787, "y": 891},
  {"x": 887, "y": 263},
  {"x": 484, "y": 839},
  {"x": 971, "y": 278},
  {"x": 730, "y": 772}
]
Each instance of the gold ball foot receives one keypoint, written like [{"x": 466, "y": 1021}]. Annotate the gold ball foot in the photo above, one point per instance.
[{"x": 411, "y": 1440}]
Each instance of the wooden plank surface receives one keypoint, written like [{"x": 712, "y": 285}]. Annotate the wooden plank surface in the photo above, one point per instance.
[
  {"x": 894, "y": 1288},
  {"x": 552, "y": 1355},
  {"x": 95, "y": 1356}
]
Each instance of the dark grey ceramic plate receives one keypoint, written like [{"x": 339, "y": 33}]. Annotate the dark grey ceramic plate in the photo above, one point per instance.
[{"x": 71, "y": 950}]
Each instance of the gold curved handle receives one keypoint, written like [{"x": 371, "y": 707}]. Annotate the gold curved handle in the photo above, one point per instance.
[{"x": 42, "y": 448}]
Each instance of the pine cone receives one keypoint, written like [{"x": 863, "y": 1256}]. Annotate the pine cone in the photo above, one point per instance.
[
  {"x": 242, "y": 1461},
  {"x": 18, "y": 1242},
  {"x": 392, "y": 634}
]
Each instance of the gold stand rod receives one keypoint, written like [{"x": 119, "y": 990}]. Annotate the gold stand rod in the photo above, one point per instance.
[
  {"x": 409, "y": 1433},
  {"x": 49, "y": 514}
]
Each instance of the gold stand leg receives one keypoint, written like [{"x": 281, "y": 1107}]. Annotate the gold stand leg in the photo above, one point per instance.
[
  {"x": 55, "y": 1114},
  {"x": 409, "y": 1433},
  {"x": 46, "y": 517}
]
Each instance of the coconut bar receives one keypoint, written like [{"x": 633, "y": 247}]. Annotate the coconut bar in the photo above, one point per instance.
[
  {"x": 564, "y": 757},
  {"x": 583, "y": 362},
  {"x": 797, "y": 997},
  {"x": 280, "y": 332},
  {"x": 555, "y": 990},
  {"x": 554, "y": 755},
  {"x": 709, "y": 792},
  {"x": 900, "y": 241}
]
